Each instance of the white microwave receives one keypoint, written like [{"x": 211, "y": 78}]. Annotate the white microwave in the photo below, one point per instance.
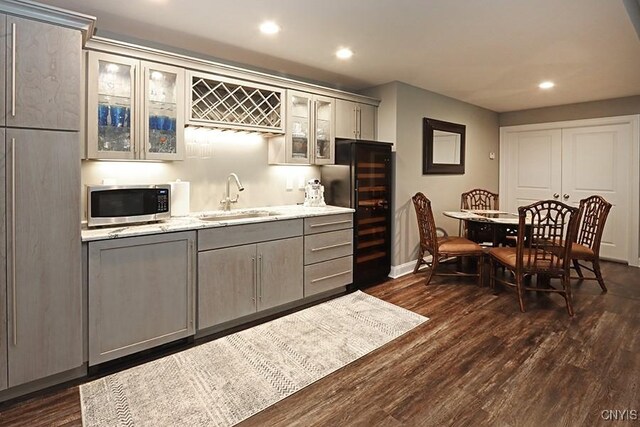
[{"x": 127, "y": 204}]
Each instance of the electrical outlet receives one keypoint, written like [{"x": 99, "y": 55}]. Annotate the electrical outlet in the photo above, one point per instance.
[{"x": 492, "y": 156}]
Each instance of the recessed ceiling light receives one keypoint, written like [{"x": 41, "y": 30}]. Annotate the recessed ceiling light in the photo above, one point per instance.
[
  {"x": 546, "y": 85},
  {"x": 269, "y": 27},
  {"x": 344, "y": 53}
]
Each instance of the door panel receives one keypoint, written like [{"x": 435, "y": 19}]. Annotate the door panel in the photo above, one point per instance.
[
  {"x": 140, "y": 293},
  {"x": 346, "y": 119},
  {"x": 3, "y": 265},
  {"x": 533, "y": 167},
  {"x": 47, "y": 75},
  {"x": 596, "y": 160},
  {"x": 3, "y": 69},
  {"x": 367, "y": 118},
  {"x": 280, "y": 272},
  {"x": 45, "y": 326},
  {"x": 226, "y": 284}
]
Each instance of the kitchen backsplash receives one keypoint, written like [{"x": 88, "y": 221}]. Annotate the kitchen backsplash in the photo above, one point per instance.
[{"x": 211, "y": 157}]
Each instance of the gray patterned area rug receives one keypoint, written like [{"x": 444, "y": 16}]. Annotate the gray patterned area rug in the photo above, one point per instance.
[{"x": 225, "y": 381}]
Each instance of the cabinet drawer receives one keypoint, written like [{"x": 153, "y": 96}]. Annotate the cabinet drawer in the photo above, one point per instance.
[
  {"x": 214, "y": 238},
  {"x": 328, "y": 275},
  {"x": 321, "y": 224},
  {"x": 326, "y": 246}
]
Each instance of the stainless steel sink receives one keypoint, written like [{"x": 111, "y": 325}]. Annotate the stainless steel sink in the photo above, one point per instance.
[{"x": 229, "y": 216}]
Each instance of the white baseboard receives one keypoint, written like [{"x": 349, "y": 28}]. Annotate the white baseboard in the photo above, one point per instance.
[{"x": 406, "y": 268}]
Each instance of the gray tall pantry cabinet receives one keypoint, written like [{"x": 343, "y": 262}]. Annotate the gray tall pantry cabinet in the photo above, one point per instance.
[{"x": 40, "y": 277}]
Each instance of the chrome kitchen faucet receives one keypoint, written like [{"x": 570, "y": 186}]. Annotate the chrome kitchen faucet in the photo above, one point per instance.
[{"x": 226, "y": 202}]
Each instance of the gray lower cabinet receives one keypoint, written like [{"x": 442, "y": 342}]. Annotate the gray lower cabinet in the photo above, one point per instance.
[
  {"x": 43, "y": 268},
  {"x": 328, "y": 253},
  {"x": 240, "y": 280},
  {"x": 141, "y": 293}
]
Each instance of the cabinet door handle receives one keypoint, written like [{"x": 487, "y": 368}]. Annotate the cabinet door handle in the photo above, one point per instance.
[
  {"x": 133, "y": 115},
  {"x": 13, "y": 68},
  {"x": 331, "y": 276},
  {"x": 255, "y": 285},
  {"x": 260, "y": 278},
  {"x": 331, "y": 246},
  {"x": 359, "y": 125},
  {"x": 14, "y": 298},
  {"x": 355, "y": 122},
  {"x": 325, "y": 224},
  {"x": 191, "y": 276}
]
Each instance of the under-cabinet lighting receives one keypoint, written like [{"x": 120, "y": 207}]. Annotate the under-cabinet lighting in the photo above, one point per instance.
[
  {"x": 344, "y": 53},
  {"x": 269, "y": 27},
  {"x": 546, "y": 85}
]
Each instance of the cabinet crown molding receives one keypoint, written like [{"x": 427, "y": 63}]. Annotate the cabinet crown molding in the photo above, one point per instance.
[
  {"x": 50, "y": 14},
  {"x": 119, "y": 47}
]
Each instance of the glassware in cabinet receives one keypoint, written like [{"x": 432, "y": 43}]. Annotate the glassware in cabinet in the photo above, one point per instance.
[
  {"x": 163, "y": 121},
  {"x": 135, "y": 109},
  {"x": 324, "y": 130},
  {"x": 309, "y": 137},
  {"x": 299, "y": 127},
  {"x": 111, "y": 106}
]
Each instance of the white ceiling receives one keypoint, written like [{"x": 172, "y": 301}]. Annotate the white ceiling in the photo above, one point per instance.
[{"x": 491, "y": 53}]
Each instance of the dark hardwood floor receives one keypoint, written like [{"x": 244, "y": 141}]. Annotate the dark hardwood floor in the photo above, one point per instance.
[{"x": 477, "y": 361}]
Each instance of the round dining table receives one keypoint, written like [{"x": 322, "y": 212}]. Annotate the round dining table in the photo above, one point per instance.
[{"x": 487, "y": 226}]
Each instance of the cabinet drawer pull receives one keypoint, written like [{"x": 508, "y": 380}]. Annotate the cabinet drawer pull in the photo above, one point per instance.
[
  {"x": 330, "y": 247},
  {"x": 13, "y": 68},
  {"x": 325, "y": 224},
  {"x": 331, "y": 276}
]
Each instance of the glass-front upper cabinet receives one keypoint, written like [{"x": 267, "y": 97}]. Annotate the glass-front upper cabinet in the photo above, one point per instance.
[
  {"x": 135, "y": 109},
  {"x": 163, "y": 119},
  {"x": 111, "y": 105},
  {"x": 299, "y": 127},
  {"x": 309, "y": 138},
  {"x": 324, "y": 130}
]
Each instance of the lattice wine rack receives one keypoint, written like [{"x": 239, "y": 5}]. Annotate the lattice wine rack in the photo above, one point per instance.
[{"x": 235, "y": 104}]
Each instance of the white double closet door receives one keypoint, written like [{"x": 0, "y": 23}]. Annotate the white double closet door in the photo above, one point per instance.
[{"x": 570, "y": 161}]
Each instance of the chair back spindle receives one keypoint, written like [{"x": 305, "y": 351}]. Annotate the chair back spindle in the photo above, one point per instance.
[
  {"x": 545, "y": 232},
  {"x": 426, "y": 223},
  {"x": 593, "y": 216}
]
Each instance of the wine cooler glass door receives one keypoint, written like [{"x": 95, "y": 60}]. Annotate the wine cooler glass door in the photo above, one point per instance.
[{"x": 373, "y": 183}]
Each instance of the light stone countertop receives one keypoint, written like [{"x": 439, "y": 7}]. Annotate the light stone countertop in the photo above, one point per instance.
[{"x": 193, "y": 221}]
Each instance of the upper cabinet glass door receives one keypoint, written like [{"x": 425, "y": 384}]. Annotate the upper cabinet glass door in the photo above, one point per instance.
[
  {"x": 163, "y": 124},
  {"x": 111, "y": 130},
  {"x": 300, "y": 127},
  {"x": 324, "y": 130}
]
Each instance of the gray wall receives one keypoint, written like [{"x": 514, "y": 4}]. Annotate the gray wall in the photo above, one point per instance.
[
  {"x": 585, "y": 110},
  {"x": 412, "y": 104},
  {"x": 244, "y": 154}
]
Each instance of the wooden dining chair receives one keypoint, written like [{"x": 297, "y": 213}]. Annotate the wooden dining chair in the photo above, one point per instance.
[
  {"x": 593, "y": 216},
  {"x": 478, "y": 199},
  {"x": 544, "y": 228},
  {"x": 441, "y": 247}
]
